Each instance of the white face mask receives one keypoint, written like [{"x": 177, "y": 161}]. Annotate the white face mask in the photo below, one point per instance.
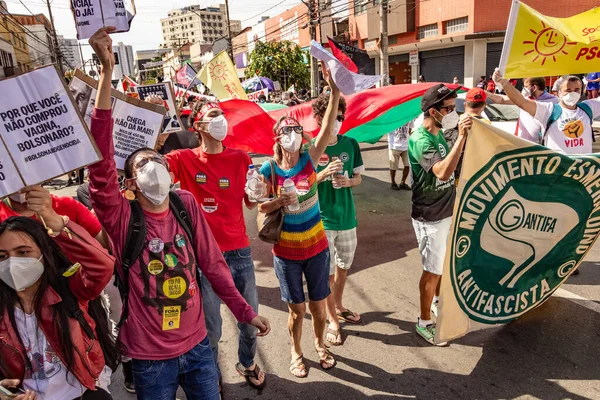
[
  {"x": 154, "y": 182},
  {"x": 570, "y": 99},
  {"x": 526, "y": 92},
  {"x": 291, "y": 142},
  {"x": 217, "y": 128},
  {"x": 18, "y": 197},
  {"x": 20, "y": 273},
  {"x": 450, "y": 120},
  {"x": 337, "y": 125}
]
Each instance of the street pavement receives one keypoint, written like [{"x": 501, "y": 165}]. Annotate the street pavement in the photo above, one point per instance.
[{"x": 550, "y": 353}]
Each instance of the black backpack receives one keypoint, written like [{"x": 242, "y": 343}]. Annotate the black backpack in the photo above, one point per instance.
[{"x": 134, "y": 244}]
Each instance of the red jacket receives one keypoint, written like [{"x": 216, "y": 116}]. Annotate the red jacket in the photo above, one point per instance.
[{"x": 86, "y": 284}]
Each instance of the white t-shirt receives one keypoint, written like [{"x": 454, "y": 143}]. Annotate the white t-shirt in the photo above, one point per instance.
[
  {"x": 529, "y": 128},
  {"x": 572, "y": 133},
  {"x": 398, "y": 139},
  {"x": 48, "y": 375}
]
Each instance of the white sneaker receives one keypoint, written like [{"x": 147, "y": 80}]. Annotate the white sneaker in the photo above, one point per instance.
[{"x": 434, "y": 308}]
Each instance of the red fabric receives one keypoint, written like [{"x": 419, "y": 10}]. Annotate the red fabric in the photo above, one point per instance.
[
  {"x": 217, "y": 182},
  {"x": 343, "y": 57},
  {"x": 251, "y": 128},
  {"x": 66, "y": 206}
]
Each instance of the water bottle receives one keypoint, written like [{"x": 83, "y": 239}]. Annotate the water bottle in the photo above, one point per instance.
[
  {"x": 252, "y": 182},
  {"x": 338, "y": 173},
  {"x": 290, "y": 187}
]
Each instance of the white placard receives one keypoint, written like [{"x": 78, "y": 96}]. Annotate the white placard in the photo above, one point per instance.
[
  {"x": 163, "y": 90},
  {"x": 41, "y": 127},
  {"x": 347, "y": 81},
  {"x": 255, "y": 95},
  {"x": 10, "y": 180},
  {"x": 91, "y": 15}
]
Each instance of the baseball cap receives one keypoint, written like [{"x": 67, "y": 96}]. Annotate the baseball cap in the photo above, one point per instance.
[
  {"x": 435, "y": 95},
  {"x": 476, "y": 95}
]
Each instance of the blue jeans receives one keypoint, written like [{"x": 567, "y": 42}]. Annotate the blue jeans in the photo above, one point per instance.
[
  {"x": 242, "y": 270},
  {"x": 195, "y": 371}
]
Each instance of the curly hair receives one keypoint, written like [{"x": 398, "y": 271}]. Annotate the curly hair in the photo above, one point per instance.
[
  {"x": 319, "y": 106},
  {"x": 200, "y": 102}
]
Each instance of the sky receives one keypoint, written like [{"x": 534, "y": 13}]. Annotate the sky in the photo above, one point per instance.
[{"x": 146, "y": 30}]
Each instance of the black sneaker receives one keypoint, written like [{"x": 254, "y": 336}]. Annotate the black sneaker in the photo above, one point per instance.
[
  {"x": 128, "y": 377},
  {"x": 395, "y": 186}
]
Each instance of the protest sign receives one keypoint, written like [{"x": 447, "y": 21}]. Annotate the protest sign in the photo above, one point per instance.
[
  {"x": 10, "y": 180},
  {"x": 136, "y": 122},
  {"x": 525, "y": 217},
  {"x": 539, "y": 45},
  {"x": 221, "y": 77},
  {"x": 41, "y": 130},
  {"x": 91, "y": 15},
  {"x": 347, "y": 81},
  {"x": 255, "y": 95},
  {"x": 164, "y": 90}
]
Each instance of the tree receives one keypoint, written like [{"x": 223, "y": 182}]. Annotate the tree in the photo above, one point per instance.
[{"x": 280, "y": 61}]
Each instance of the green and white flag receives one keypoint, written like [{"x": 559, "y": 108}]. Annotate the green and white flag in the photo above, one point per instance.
[{"x": 525, "y": 217}]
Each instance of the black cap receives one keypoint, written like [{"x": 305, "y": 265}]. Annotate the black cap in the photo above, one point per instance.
[{"x": 437, "y": 94}]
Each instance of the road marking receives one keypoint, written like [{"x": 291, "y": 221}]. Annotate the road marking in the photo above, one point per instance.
[{"x": 582, "y": 301}]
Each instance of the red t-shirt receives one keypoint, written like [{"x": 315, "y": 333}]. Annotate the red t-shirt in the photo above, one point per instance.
[
  {"x": 66, "y": 206},
  {"x": 217, "y": 181}
]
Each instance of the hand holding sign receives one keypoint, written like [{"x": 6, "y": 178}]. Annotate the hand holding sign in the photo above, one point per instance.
[
  {"x": 102, "y": 45},
  {"x": 90, "y": 15}
]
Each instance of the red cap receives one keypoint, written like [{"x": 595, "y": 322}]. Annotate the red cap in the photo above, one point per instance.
[{"x": 476, "y": 95}]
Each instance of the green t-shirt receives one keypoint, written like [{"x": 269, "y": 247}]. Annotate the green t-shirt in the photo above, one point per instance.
[
  {"x": 337, "y": 205},
  {"x": 432, "y": 199}
]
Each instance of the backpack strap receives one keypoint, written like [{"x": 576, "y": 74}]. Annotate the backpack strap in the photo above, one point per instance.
[
  {"x": 181, "y": 213},
  {"x": 73, "y": 306},
  {"x": 134, "y": 244},
  {"x": 554, "y": 116},
  {"x": 586, "y": 109}
]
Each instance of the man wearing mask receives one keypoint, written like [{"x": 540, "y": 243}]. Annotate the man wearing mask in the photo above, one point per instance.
[
  {"x": 216, "y": 176},
  {"x": 163, "y": 328},
  {"x": 567, "y": 125},
  {"x": 533, "y": 89},
  {"x": 433, "y": 165},
  {"x": 338, "y": 171}
]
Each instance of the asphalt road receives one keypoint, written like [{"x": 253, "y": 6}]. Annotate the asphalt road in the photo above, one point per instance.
[{"x": 550, "y": 353}]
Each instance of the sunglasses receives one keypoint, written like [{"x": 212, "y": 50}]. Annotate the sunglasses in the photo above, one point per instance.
[
  {"x": 449, "y": 108},
  {"x": 144, "y": 161},
  {"x": 292, "y": 128},
  {"x": 340, "y": 118}
]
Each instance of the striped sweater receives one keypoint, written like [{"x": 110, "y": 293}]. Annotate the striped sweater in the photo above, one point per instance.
[{"x": 303, "y": 235}]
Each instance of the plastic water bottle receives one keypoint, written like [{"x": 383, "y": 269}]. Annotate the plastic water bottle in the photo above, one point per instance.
[
  {"x": 252, "y": 182},
  {"x": 338, "y": 173},
  {"x": 290, "y": 187}
]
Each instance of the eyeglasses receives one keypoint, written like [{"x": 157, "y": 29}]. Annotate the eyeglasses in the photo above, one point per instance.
[
  {"x": 292, "y": 128},
  {"x": 341, "y": 118},
  {"x": 144, "y": 161},
  {"x": 449, "y": 108}
]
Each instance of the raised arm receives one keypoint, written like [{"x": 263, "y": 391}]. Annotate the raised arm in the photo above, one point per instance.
[
  {"x": 515, "y": 96},
  {"x": 322, "y": 139}
]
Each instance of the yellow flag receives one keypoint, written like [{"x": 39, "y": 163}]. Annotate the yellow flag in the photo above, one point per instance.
[
  {"x": 538, "y": 45},
  {"x": 220, "y": 76}
]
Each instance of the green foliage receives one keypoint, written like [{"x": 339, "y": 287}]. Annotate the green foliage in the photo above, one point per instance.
[{"x": 280, "y": 61}]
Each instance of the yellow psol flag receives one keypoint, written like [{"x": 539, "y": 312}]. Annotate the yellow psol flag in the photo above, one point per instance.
[
  {"x": 538, "y": 45},
  {"x": 220, "y": 76},
  {"x": 525, "y": 217}
]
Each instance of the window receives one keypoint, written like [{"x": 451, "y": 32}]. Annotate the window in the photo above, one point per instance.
[
  {"x": 361, "y": 6},
  {"x": 427, "y": 31},
  {"x": 220, "y": 25},
  {"x": 456, "y": 25}
]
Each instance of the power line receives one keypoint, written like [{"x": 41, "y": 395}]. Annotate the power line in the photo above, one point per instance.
[{"x": 262, "y": 12}]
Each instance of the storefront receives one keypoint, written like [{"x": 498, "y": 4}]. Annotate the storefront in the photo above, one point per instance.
[{"x": 442, "y": 65}]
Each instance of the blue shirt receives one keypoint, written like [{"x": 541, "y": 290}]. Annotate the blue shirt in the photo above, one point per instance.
[{"x": 593, "y": 85}]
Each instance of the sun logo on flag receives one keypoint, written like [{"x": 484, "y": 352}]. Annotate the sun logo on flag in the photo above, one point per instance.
[
  {"x": 218, "y": 71},
  {"x": 548, "y": 43}
]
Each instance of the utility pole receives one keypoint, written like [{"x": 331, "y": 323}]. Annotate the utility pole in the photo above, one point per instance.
[
  {"x": 81, "y": 55},
  {"x": 384, "y": 65},
  {"x": 314, "y": 64},
  {"x": 229, "y": 41},
  {"x": 58, "y": 53}
]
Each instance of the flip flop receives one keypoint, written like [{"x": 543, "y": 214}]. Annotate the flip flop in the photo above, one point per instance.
[
  {"x": 335, "y": 333},
  {"x": 326, "y": 360},
  {"x": 247, "y": 374},
  {"x": 343, "y": 316},
  {"x": 298, "y": 364}
]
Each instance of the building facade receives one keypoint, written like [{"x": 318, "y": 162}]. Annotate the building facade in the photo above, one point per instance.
[
  {"x": 124, "y": 62},
  {"x": 71, "y": 55},
  {"x": 14, "y": 33},
  {"x": 39, "y": 39},
  {"x": 174, "y": 59},
  {"x": 8, "y": 60},
  {"x": 196, "y": 24}
]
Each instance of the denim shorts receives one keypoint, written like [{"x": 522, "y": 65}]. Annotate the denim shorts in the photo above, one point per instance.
[
  {"x": 432, "y": 237},
  {"x": 316, "y": 273}
]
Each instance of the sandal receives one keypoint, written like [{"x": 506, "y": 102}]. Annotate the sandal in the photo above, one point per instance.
[
  {"x": 338, "y": 336},
  {"x": 345, "y": 316},
  {"x": 298, "y": 365},
  {"x": 251, "y": 374},
  {"x": 404, "y": 186},
  {"x": 325, "y": 359}
]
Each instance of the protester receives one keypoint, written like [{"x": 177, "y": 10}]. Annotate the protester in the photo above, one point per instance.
[
  {"x": 482, "y": 84},
  {"x": 567, "y": 125},
  {"x": 216, "y": 176},
  {"x": 421, "y": 79},
  {"x": 56, "y": 341},
  {"x": 302, "y": 248},
  {"x": 491, "y": 85},
  {"x": 398, "y": 150},
  {"x": 557, "y": 84},
  {"x": 339, "y": 170},
  {"x": 533, "y": 89},
  {"x": 593, "y": 85},
  {"x": 456, "y": 81},
  {"x": 163, "y": 328},
  {"x": 433, "y": 165},
  {"x": 262, "y": 99},
  {"x": 475, "y": 103}
]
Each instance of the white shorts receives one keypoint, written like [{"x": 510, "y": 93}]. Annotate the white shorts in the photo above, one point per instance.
[
  {"x": 396, "y": 156},
  {"x": 433, "y": 237},
  {"x": 342, "y": 246}
]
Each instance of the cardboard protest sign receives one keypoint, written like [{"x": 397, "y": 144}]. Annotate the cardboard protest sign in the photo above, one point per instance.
[
  {"x": 525, "y": 217},
  {"x": 164, "y": 90},
  {"x": 136, "y": 122},
  {"x": 91, "y": 15},
  {"x": 41, "y": 130},
  {"x": 255, "y": 95}
]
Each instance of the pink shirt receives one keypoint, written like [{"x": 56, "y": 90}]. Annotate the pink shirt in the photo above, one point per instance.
[{"x": 165, "y": 306}]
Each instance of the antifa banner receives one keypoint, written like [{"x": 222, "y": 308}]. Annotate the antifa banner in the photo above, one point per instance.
[
  {"x": 91, "y": 15},
  {"x": 525, "y": 217},
  {"x": 136, "y": 122},
  {"x": 538, "y": 45},
  {"x": 355, "y": 59},
  {"x": 42, "y": 135},
  {"x": 186, "y": 76},
  {"x": 164, "y": 90}
]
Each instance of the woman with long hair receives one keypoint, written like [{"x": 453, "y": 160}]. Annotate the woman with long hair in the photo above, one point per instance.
[
  {"x": 55, "y": 339},
  {"x": 302, "y": 248}
]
